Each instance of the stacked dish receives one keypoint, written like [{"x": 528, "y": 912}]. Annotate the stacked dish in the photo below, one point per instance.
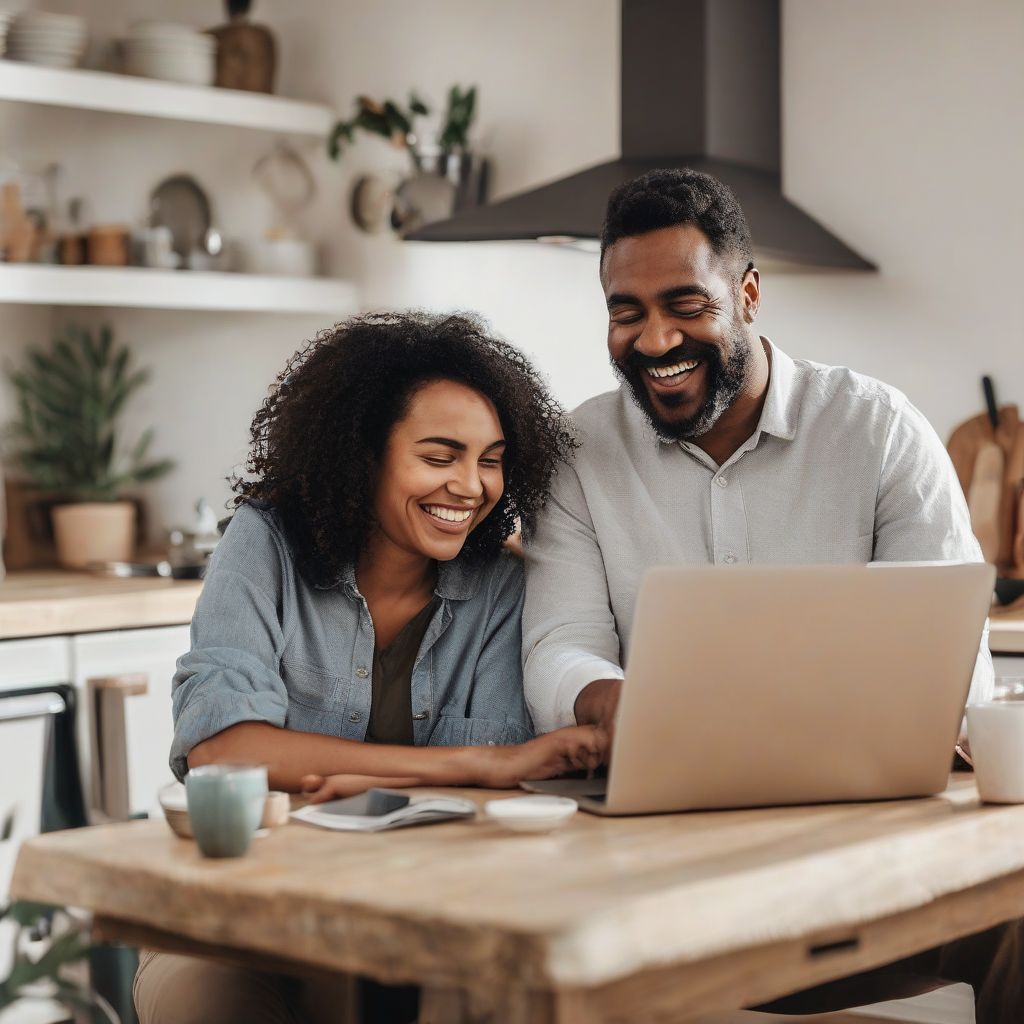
[
  {"x": 172, "y": 52},
  {"x": 5, "y": 23},
  {"x": 39, "y": 37}
]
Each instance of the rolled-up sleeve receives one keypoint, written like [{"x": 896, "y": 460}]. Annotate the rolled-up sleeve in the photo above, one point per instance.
[{"x": 231, "y": 673}]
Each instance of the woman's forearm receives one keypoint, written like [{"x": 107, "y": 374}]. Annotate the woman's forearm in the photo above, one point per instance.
[{"x": 291, "y": 755}]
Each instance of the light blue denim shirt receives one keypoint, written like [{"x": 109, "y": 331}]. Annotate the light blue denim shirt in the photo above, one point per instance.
[{"x": 269, "y": 647}]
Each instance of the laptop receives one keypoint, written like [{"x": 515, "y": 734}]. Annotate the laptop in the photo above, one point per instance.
[{"x": 759, "y": 685}]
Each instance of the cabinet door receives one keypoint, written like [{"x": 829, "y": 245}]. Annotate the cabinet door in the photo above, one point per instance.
[
  {"x": 148, "y": 723},
  {"x": 35, "y": 662}
]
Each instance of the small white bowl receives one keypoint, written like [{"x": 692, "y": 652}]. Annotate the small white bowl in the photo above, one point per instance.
[{"x": 531, "y": 813}]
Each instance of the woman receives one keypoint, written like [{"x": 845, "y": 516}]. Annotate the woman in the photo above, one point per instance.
[{"x": 359, "y": 621}]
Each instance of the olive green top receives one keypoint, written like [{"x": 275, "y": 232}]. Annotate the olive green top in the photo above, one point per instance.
[{"x": 391, "y": 697}]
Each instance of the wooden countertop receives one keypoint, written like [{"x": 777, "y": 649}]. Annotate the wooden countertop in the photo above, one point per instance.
[
  {"x": 1006, "y": 630},
  {"x": 48, "y": 603}
]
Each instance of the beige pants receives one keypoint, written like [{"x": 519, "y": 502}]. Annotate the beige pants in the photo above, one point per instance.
[{"x": 185, "y": 990}]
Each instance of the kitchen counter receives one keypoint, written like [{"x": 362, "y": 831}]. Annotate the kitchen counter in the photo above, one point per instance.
[
  {"x": 1006, "y": 630},
  {"x": 49, "y": 602}
]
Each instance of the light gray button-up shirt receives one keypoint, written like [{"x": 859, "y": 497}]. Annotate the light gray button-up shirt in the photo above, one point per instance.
[{"x": 841, "y": 469}]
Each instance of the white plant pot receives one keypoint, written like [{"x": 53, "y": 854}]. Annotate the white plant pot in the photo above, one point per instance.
[{"x": 94, "y": 531}]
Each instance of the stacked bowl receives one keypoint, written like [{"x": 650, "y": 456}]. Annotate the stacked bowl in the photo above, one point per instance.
[
  {"x": 6, "y": 17},
  {"x": 39, "y": 37},
  {"x": 172, "y": 52}
]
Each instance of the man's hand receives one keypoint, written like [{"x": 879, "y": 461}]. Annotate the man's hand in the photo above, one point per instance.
[
  {"x": 577, "y": 748},
  {"x": 597, "y": 703}
]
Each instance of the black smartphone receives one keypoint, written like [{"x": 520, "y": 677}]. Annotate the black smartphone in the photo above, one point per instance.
[{"x": 372, "y": 804}]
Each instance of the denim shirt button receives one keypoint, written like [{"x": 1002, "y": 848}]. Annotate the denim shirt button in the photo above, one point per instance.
[
  {"x": 355, "y": 717},
  {"x": 362, "y": 672},
  {"x": 422, "y": 716}
]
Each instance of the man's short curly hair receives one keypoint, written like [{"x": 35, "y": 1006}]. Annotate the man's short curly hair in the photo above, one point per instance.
[
  {"x": 319, "y": 436},
  {"x": 670, "y": 197}
]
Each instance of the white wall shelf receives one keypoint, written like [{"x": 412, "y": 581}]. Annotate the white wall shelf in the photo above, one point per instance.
[
  {"x": 126, "y": 94},
  {"x": 138, "y": 287}
]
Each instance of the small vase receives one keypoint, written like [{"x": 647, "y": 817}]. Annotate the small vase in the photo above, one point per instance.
[
  {"x": 444, "y": 183},
  {"x": 94, "y": 531}
]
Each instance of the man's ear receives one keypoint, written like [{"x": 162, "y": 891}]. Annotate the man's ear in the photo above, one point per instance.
[{"x": 750, "y": 294}]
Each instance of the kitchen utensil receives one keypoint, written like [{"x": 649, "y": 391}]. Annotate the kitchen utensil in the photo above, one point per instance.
[
  {"x": 125, "y": 570},
  {"x": 983, "y": 498},
  {"x": 40, "y": 37},
  {"x": 284, "y": 257},
  {"x": 179, "y": 203},
  {"x": 169, "y": 51},
  {"x": 246, "y": 53},
  {"x": 108, "y": 245},
  {"x": 1009, "y": 590}
]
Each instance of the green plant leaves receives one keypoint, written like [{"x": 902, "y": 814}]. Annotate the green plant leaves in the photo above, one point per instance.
[
  {"x": 391, "y": 121},
  {"x": 69, "y": 398}
]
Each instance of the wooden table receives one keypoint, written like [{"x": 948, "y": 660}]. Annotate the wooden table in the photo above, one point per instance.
[{"x": 657, "y": 918}]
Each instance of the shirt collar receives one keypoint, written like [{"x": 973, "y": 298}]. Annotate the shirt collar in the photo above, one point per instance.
[
  {"x": 781, "y": 410},
  {"x": 456, "y": 581}
]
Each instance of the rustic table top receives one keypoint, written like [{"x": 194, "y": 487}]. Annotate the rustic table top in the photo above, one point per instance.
[
  {"x": 468, "y": 904},
  {"x": 49, "y": 603}
]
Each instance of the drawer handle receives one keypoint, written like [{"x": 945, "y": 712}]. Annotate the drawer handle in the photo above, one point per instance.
[
  {"x": 14, "y": 709},
  {"x": 831, "y": 948}
]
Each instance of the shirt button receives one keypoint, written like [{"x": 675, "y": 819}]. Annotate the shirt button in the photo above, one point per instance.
[
  {"x": 729, "y": 559},
  {"x": 355, "y": 717},
  {"x": 421, "y": 717},
  {"x": 721, "y": 481},
  {"x": 362, "y": 672}
]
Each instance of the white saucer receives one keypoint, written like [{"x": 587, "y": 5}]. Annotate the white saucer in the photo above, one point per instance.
[{"x": 531, "y": 813}]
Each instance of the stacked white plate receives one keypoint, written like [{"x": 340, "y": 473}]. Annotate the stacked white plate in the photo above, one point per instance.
[
  {"x": 172, "y": 52},
  {"x": 6, "y": 17},
  {"x": 39, "y": 37}
]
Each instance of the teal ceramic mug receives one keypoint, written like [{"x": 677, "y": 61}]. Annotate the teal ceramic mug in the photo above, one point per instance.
[{"x": 225, "y": 804}]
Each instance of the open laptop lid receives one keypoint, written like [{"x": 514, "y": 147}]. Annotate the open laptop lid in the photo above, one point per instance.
[{"x": 760, "y": 685}]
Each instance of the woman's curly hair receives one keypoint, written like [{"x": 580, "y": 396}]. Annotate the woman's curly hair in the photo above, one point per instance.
[{"x": 319, "y": 436}]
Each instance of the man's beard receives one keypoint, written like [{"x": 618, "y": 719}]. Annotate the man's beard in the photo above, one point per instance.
[{"x": 723, "y": 382}]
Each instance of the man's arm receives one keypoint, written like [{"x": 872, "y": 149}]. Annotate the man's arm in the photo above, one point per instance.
[
  {"x": 921, "y": 513},
  {"x": 569, "y": 635}
]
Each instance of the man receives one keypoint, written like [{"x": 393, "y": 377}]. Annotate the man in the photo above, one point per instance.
[
  {"x": 719, "y": 448},
  {"x": 716, "y": 448}
]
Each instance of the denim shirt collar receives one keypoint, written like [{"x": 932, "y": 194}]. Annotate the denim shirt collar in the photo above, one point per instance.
[{"x": 456, "y": 581}]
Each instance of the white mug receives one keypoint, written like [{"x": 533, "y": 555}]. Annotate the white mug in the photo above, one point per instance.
[{"x": 995, "y": 729}]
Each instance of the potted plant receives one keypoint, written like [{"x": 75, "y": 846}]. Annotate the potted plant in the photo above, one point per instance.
[
  {"x": 66, "y": 442},
  {"x": 447, "y": 176},
  {"x": 45, "y": 979}
]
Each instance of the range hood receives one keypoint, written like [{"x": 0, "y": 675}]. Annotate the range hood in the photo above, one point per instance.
[{"x": 700, "y": 89}]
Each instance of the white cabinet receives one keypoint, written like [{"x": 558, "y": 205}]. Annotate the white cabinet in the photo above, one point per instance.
[
  {"x": 147, "y": 716},
  {"x": 34, "y": 662}
]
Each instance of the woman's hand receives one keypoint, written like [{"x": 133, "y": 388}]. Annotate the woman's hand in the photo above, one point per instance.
[
  {"x": 578, "y": 748},
  {"x": 332, "y": 787}
]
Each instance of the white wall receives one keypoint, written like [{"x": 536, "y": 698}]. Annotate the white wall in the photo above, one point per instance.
[{"x": 902, "y": 134}]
